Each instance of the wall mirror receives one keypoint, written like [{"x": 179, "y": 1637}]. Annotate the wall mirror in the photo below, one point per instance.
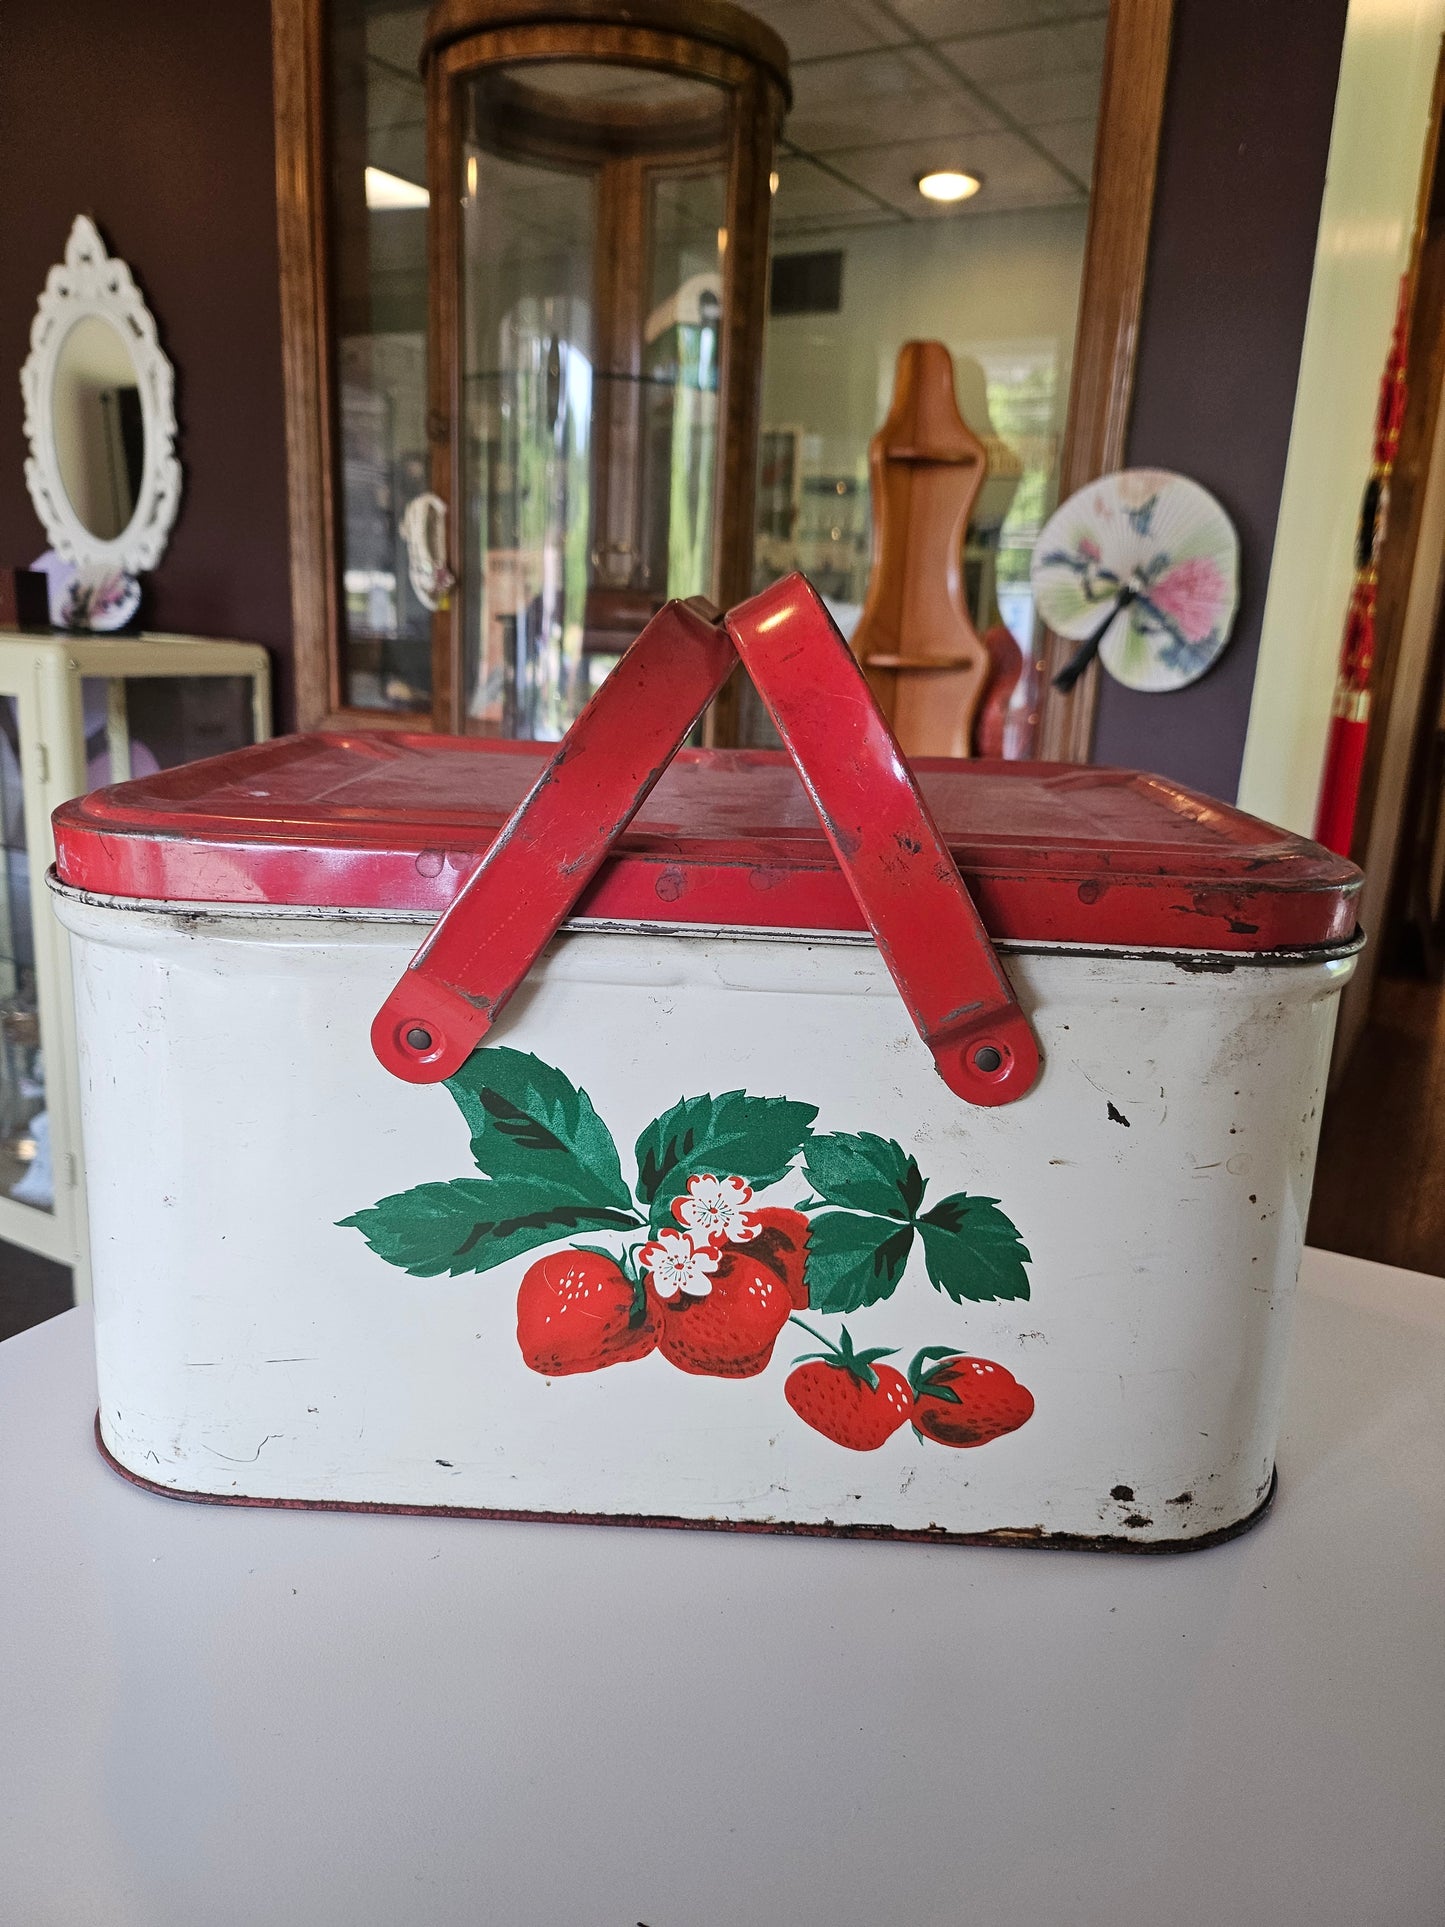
[{"x": 99, "y": 414}]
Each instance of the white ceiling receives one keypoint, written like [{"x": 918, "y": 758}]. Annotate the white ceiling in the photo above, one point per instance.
[{"x": 884, "y": 90}]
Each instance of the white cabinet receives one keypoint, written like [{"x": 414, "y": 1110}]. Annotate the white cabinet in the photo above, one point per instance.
[{"x": 77, "y": 712}]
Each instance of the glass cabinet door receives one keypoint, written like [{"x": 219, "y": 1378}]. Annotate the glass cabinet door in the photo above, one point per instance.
[
  {"x": 25, "y": 1169},
  {"x": 599, "y": 218},
  {"x": 594, "y": 208}
]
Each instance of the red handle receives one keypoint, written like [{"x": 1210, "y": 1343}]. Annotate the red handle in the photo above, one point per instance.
[
  {"x": 487, "y": 940},
  {"x": 879, "y": 826},
  {"x": 886, "y": 843}
]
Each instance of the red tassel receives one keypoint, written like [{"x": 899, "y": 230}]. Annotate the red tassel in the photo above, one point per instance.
[{"x": 1350, "y": 727}]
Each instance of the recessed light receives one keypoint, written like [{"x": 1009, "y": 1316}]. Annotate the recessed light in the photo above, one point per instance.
[
  {"x": 947, "y": 184},
  {"x": 390, "y": 190}
]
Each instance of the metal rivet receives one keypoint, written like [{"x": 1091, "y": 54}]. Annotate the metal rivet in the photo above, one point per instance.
[
  {"x": 418, "y": 1038},
  {"x": 986, "y": 1058}
]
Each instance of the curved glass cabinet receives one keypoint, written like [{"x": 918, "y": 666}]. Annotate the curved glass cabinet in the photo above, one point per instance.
[{"x": 599, "y": 225}]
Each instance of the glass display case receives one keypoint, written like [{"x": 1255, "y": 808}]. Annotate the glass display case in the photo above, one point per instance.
[
  {"x": 76, "y": 713},
  {"x": 599, "y": 217}
]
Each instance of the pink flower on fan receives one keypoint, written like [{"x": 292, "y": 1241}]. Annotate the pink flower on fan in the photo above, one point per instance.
[{"x": 1193, "y": 594}]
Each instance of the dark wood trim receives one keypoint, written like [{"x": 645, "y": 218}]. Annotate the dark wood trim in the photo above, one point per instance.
[
  {"x": 745, "y": 308},
  {"x": 730, "y": 28},
  {"x": 1121, "y": 204},
  {"x": 307, "y": 354}
]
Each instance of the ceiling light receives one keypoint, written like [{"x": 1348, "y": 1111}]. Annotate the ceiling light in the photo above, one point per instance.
[
  {"x": 390, "y": 190},
  {"x": 773, "y": 182},
  {"x": 947, "y": 184}
]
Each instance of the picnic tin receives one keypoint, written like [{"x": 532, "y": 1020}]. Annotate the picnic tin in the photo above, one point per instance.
[{"x": 795, "y": 1151}]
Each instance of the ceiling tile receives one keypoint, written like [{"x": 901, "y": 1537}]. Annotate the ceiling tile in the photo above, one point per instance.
[
  {"x": 392, "y": 102},
  {"x": 1048, "y": 98},
  {"x": 791, "y": 233},
  {"x": 1013, "y": 175},
  {"x": 1071, "y": 143},
  {"x": 952, "y": 19},
  {"x": 805, "y": 192},
  {"x": 867, "y": 80},
  {"x": 931, "y": 107},
  {"x": 396, "y": 38},
  {"x": 823, "y": 27},
  {"x": 1077, "y": 46}
]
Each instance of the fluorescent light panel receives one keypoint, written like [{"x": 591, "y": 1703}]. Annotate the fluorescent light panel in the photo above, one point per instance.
[{"x": 390, "y": 190}]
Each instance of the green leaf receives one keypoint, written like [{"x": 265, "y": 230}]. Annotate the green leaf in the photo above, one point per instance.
[
  {"x": 854, "y": 1261},
  {"x": 528, "y": 1120},
  {"x": 973, "y": 1250},
  {"x": 472, "y": 1224},
  {"x": 857, "y": 1364},
  {"x": 862, "y": 1172},
  {"x": 732, "y": 1136}
]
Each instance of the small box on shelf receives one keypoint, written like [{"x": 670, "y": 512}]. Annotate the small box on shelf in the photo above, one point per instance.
[{"x": 24, "y": 600}]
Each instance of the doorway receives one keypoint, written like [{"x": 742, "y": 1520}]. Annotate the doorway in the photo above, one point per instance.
[{"x": 1380, "y": 1182}]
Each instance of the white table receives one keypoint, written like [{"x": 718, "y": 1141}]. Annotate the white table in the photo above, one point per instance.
[{"x": 214, "y": 1716}]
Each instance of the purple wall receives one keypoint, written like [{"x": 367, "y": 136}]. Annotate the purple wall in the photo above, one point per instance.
[
  {"x": 1241, "y": 175},
  {"x": 155, "y": 119}
]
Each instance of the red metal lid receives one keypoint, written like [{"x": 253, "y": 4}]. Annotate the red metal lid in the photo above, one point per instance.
[{"x": 1051, "y": 853}]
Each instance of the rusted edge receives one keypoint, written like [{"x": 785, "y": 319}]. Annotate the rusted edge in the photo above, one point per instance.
[
  {"x": 1197, "y": 961},
  {"x": 1009, "y": 1536}
]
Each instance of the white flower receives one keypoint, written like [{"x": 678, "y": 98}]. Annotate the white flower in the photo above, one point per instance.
[
  {"x": 713, "y": 1210},
  {"x": 677, "y": 1264}
]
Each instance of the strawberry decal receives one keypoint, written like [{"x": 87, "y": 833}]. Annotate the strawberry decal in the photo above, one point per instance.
[
  {"x": 965, "y": 1401},
  {"x": 713, "y": 1210},
  {"x": 675, "y": 1263},
  {"x": 729, "y": 1330},
  {"x": 577, "y": 1311},
  {"x": 696, "y": 1268},
  {"x": 846, "y": 1395},
  {"x": 782, "y": 1245}
]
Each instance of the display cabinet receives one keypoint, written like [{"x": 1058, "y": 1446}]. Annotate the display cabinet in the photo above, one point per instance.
[
  {"x": 77, "y": 712},
  {"x": 599, "y": 180}
]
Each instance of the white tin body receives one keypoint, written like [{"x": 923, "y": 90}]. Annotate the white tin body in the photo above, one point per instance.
[{"x": 250, "y": 1348}]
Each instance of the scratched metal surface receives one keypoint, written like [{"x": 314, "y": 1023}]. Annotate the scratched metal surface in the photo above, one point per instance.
[
  {"x": 1158, "y": 1175},
  {"x": 247, "y": 1718}
]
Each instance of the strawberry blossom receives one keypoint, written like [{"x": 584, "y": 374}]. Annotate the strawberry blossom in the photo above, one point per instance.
[
  {"x": 713, "y": 1210},
  {"x": 677, "y": 1264}
]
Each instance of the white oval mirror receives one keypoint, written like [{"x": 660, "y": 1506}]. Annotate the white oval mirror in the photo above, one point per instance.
[{"x": 99, "y": 414}]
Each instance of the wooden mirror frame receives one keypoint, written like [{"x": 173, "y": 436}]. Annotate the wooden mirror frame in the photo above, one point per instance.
[{"x": 1131, "y": 112}]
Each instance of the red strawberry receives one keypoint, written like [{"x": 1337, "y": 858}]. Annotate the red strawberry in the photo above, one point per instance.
[
  {"x": 847, "y": 1395},
  {"x": 730, "y": 1331},
  {"x": 577, "y": 1311},
  {"x": 965, "y": 1401},
  {"x": 782, "y": 1245}
]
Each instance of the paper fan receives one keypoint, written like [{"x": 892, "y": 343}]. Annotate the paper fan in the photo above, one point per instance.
[{"x": 1142, "y": 568}]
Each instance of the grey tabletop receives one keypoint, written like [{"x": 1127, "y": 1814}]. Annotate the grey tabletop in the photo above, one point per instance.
[{"x": 214, "y": 1716}]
